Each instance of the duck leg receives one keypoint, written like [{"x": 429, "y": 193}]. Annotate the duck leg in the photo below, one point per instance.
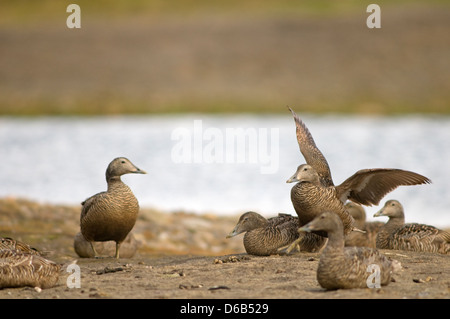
[
  {"x": 117, "y": 250},
  {"x": 93, "y": 248},
  {"x": 294, "y": 245}
]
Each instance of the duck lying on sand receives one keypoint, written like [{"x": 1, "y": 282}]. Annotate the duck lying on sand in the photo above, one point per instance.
[
  {"x": 265, "y": 237},
  {"x": 348, "y": 267},
  {"x": 395, "y": 234},
  {"x": 21, "y": 266}
]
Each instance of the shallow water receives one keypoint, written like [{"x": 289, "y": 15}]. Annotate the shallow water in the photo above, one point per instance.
[{"x": 196, "y": 162}]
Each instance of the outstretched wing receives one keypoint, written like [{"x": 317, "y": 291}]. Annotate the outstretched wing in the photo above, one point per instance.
[
  {"x": 311, "y": 153},
  {"x": 369, "y": 186}
]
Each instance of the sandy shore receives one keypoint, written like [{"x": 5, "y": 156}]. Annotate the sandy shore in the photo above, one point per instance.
[
  {"x": 239, "y": 276},
  {"x": 187, "y": 256}
]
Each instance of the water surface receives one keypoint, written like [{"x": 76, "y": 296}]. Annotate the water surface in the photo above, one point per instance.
[{"x": 63, "y": 159}]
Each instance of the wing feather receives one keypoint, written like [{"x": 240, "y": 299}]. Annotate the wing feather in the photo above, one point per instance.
[
  {"x": 310, "y": 152},
  {"x": 369, "y": 186}
]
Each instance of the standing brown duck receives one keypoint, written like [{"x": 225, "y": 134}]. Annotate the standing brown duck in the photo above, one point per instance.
[
  {"x": 348, "y": 267},
  {"x": 315, "y": 191},
  {"x": 395, "y": 234},
  {"x": 111, "y": 215}
]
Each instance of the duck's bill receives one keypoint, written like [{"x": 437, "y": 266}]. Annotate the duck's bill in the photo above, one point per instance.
[
  {"x": 378, "y": 213},
  {"x": 232, "y": 234},
  {"x": 307, "y": 228},
  {"x": 292, "y": 179},
  {"x": 139, "y": 171}
]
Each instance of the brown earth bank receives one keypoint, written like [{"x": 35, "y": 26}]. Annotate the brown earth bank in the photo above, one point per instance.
[{"x": 186, "y": 256}]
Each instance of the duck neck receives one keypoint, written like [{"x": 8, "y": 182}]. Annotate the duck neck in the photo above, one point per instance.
[
  {"x": 262, "y": 222},
  {"x": 335, "y": 245},
  {"x": 113, "y": 182},
  {"x": 394, "y": 223}
]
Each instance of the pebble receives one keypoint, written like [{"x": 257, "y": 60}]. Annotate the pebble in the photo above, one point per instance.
[
  {"x": 181, "y": 286},
  {"x": 419, "y": 280},
  {"x": 230, "y": 259},
  {"x": 218, "y": 287}
]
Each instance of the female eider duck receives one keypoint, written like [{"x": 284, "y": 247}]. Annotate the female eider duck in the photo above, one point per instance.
[
  {"x": 22, "y": 265},
  {"x": 7, "y": 243},
  {"x": 366, "y": 239},
  {"x": 264, "y": 237},
  {"x": 348, "y": 267},
  {"x": 111, "y": 215},
  {"x": 315, "y": 191},
  {"x": 395, "y": 234}
]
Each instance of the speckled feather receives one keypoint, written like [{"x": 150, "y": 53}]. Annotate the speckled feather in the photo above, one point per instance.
[
  {"x": 7, "y": 243},
  {"x": 311, "y": 152},
  {"x": 18, "y": 269},
  {"x": 395, "y": 234},
  {"x": 109, "y": 215},
  {"x": 264, "y": 237},
  {"x": 310, "y": 200}
]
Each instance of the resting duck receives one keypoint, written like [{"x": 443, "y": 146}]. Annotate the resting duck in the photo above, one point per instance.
[
  {"x": 264, "y": 237},
  {"x": 348, "y": 267},
  {"x": 395, "y": 234}
]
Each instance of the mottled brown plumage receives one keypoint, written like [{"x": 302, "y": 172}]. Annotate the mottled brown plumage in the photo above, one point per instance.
[
  {"x": 359, "y": 239},
  {"x": 18, "y": 269},
  {"x": 348, "y": 267},
  {"x": 311, "y": 152},
  {"x": 263, "y": 236},
  {"x": 7, "y": 243},
  {"x": 395, "y": 234},
  {"x": 84, "y": 249},
  {"x": 111, "y": 215},
  {"x": 310, "y": 198}
]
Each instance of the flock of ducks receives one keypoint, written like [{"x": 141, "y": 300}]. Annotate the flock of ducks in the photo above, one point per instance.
[
  {"x": 330, "y": 220},
  {"x": 333, "y": 220}
]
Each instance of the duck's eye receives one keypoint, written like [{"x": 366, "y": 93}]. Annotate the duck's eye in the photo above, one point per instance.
[{"x": 123, "y": 162}]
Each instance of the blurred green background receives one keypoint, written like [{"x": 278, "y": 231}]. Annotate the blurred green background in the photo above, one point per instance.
[{"x": 139, "y": 57}]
